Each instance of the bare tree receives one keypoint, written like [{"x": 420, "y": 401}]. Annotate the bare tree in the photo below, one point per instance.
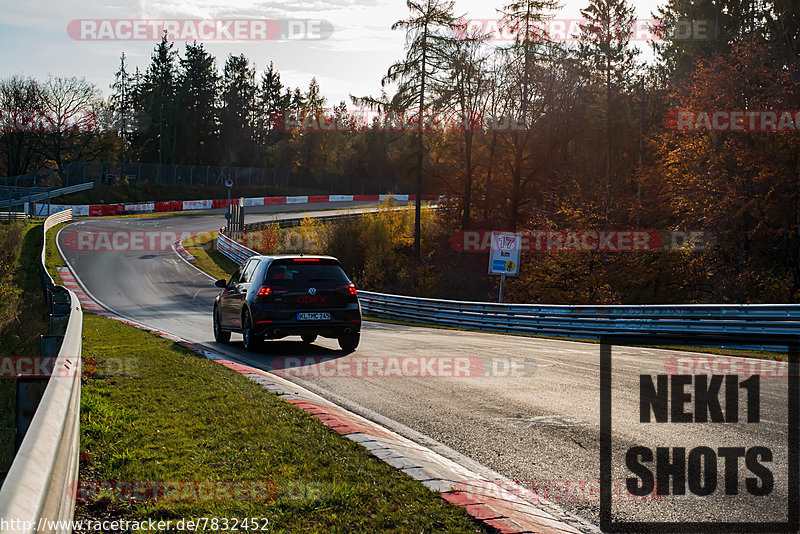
[
  {"x": 465, "y": 90},
  {"x": 527, "y": 65},
  {"x": 20, "y": 97},
  {"x": 75, "y": 108}
]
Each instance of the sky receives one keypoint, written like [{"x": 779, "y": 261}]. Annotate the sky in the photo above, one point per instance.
[{"x": 36, "y": 38}]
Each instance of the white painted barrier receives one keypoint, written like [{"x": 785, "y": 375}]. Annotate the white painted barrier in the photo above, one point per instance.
[{"x": 38, "y": 491}]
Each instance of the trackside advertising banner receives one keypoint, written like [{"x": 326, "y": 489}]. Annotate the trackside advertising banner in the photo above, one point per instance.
[{"x": 99, "y": 210}]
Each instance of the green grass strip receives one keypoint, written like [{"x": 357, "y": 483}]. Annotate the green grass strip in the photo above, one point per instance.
[{"x": 168, "y": 414}]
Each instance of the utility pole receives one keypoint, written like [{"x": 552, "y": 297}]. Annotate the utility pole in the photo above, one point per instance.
[{"x": 641, "y": 150}]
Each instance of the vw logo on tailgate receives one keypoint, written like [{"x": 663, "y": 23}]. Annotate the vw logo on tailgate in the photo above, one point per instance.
[{"x": 312, "y": 290}]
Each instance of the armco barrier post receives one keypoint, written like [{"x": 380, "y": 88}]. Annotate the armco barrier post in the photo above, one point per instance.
[
  {"x": 29, "y": 394},
  {"x": 58, "y": 324}
]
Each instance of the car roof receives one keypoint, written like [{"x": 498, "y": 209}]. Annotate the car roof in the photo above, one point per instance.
[{"x": 294, "y": 256}]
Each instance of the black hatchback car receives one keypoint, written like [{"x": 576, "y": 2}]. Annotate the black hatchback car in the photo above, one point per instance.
[{"x": 277, "y": 296}]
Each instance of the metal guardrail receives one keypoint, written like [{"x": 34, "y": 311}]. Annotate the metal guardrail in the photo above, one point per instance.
[
  {"x": 110, "y": 173},
  {"x": 290, "y": 223},
  {"x": 45, "y": 195},
  {"x": 714, "y": 325},
  {"x": 233, "y": 250},
  {"x": 48, "y": 284},
  {"x": 39, "y": 488}
]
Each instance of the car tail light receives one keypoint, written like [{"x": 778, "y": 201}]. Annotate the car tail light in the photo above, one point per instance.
[
  {"x": 267, "y": 292},
  {"x": 264, "y": 291},
  {"x": 350, "y": 289}
]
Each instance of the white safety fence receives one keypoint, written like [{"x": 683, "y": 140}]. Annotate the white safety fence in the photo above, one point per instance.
[{"x": 38, "y": 491}]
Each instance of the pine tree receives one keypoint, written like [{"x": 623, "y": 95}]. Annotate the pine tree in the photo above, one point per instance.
[
  {"x": 606, "y": 50},
  {"x": 428, "y": 29},
  {"x": 693, "y": 29},
  {"x": 297, "y": 101},
  {"x": 270, "y": 103},
  {"x": 196, "y": 104},
  {"x": 314, "y": 101},
  {"x": 121, "y": 103},
  {"x": 238, "y": 113},
  {"x": 156, "y": 102}
]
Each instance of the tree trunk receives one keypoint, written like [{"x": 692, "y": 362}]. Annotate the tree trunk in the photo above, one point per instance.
[
  {"x": 420, "y": 155},
  {"x": 467, "y": 180}
]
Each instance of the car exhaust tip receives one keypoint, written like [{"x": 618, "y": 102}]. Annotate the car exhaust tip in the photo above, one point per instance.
[
  {"x": 276, "y": 332},
  {"x": 347, "y": 331}
]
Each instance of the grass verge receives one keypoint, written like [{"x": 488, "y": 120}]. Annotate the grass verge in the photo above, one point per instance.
[
  {"x": 204, "y": 249},
  {"x": 23, "y": 315},
  {"x": 52, "y": 257},
  {"x": 181, "y": 417}
]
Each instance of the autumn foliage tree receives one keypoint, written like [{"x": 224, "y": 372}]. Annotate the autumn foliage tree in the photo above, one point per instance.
[{"x": 742, "y": 186}]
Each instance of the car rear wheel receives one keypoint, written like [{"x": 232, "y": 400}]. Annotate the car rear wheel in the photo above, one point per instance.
[
  {"x": 251, "y": 341},
  {"x": 220, "y": 335},
  {"x": 309, "y": 338},
  {"x": 349, "y": 342}
]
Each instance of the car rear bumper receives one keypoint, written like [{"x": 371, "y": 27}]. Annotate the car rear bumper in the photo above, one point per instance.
[
  {"x": 277, "y": 323},
  {"x": 328, "y": 329}
]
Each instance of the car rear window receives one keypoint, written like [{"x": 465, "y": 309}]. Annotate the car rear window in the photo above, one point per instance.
[{"x": 298, "y": 276}]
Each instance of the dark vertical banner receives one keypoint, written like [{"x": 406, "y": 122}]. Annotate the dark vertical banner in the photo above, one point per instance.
[
  {"x": 706, "y": 435},
  {"x": 605, "y": 436}
]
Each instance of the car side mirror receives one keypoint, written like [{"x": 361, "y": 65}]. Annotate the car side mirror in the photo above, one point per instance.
[{"x": 221, "y": 283}]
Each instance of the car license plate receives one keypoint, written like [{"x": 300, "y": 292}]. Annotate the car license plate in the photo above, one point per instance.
[{"x": 318, "y": 316}]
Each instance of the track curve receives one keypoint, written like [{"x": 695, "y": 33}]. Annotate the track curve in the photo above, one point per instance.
[{"x": 539, "y": 426}]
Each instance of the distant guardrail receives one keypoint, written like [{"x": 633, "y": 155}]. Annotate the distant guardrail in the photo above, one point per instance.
[
  {"x": 38, "y": 491},
  {"x": 44, "y": 195},
  {"x": 290, "y": 223},
  {"x": 48, "y": 284},
  {"x": 233, "y": 250},
  {"x": 12, "y": 215},
  {"x": 135, "y": 173},
  {"x": 101, "y": 210},
  {"x": 714, "y": 325},
  {"x": 228, "y": 246}
]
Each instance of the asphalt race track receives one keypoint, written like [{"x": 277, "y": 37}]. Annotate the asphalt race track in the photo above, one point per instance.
[{"x": 535, "y": 422}]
